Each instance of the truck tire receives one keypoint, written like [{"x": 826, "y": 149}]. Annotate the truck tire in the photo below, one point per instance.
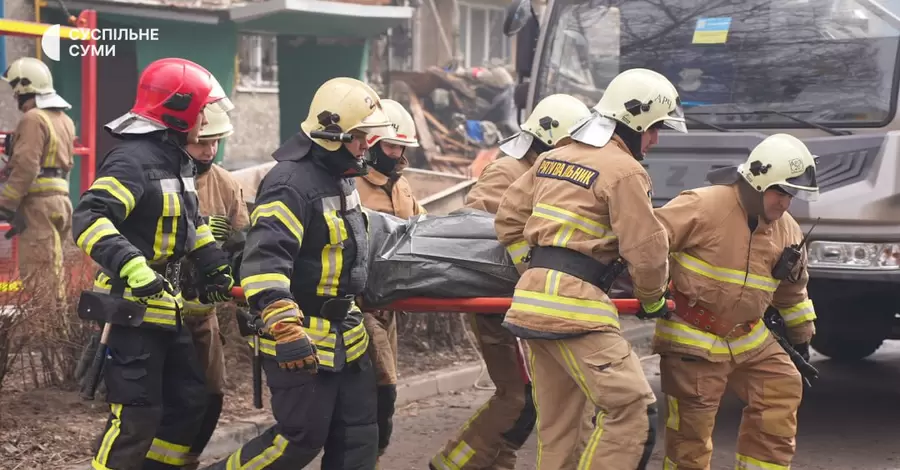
[{"x": 844, "y": 349}]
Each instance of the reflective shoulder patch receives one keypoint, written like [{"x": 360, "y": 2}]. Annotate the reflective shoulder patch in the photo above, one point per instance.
[{"x": 571, "y": 172}]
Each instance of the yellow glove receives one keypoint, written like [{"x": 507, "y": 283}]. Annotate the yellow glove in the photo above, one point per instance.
[{"x": 293, "y": 349}]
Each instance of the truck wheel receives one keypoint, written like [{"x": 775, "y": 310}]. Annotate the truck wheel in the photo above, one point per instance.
[{"x": 842, "y": 348}]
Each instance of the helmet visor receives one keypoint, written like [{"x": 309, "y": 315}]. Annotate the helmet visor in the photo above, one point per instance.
[
  {"x": 675, "y": 120},
  {"x": 802, "y": 186},
  {"x": 218, "y": 97}
]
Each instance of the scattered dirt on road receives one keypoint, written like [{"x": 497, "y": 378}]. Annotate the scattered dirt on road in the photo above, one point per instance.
[{"x": 52, "y": 428}]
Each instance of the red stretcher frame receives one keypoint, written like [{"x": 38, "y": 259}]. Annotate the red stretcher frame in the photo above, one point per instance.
[
  {"x": 481, "y": 305},
  {"x": 85, "y": 144}
]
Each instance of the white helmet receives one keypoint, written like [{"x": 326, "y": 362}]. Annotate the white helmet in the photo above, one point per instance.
[
  {"x": 403, "y": 125},
  {"x": 782, "y": 160},
  {"x": 218, "y": 124},
  {"x": 549, "y": 122},
  {"x": 640, "y": 98},
  {"x": 342, "y": 105},
  {"x": 28, "y": 75}
]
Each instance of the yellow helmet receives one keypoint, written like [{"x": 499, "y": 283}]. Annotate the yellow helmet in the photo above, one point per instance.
[
  {"x": 29, "y": 76},
  {"x": 218, "y": 124},
  {"x": 782, "y": 160},
  {"x": 554, "y": 116},
  {"x": 403, "y": 125},
  {"x": 640, "y": 98},
  {"x": 345, "y": 104}
]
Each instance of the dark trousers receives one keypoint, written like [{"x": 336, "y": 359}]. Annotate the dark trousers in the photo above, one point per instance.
[
  {"x": 334, "y": 411},
  {"x": 157, "y": 398}
]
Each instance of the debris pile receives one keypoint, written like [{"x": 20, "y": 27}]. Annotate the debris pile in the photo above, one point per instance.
[{"x": 461, "y": 116}]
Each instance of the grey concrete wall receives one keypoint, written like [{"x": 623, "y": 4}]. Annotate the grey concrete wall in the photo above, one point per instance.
[{"x": 256, "y": 121}]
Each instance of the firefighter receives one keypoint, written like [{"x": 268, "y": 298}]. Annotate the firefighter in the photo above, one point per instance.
[
  {"x": 36, "y": 190},
  {"x": 304, "y": 263},
  {"x": 137, "y": 220},
  {"x": 580, "y": 208},
  {"x": 726, "y": 241},
  {"x": 384, "y": 189},
  {"x": 222, "y": 204},
  {"x": 490, "y": 439}
]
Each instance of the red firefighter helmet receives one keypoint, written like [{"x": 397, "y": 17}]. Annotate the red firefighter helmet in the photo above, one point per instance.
[{"x": 172, "y": 92}]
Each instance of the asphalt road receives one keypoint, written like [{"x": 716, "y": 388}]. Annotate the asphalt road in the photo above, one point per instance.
[{"x": 850, "y": 419}]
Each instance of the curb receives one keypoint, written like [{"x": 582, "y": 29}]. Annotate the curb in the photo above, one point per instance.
[{"x": 227, "y": 439}]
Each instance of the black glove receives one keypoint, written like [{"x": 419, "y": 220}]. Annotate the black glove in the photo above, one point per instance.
[
  {"x": 802, "y": 350},
  {"x": 217, "y": 287},
  {"x": 658, "y": 310},
  {"x": 220, "y": 228},
  {"x": 210, "y": 260}
]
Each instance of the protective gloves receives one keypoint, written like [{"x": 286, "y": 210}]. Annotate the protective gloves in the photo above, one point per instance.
[
  {"x": 145, "y": 283},
  {"x": 217, "y": 286},
  {"x": 658, "y": 309},
  {"x": 220, "y": 227},
  {"x": 293, "y": 349}
]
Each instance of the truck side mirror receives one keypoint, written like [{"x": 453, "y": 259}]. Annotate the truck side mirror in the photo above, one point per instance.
[{"x": 517, "y": 15}]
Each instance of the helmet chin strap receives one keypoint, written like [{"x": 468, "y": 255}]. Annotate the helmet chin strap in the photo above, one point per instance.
[
  {"x": 751, "y": 199},
  {"x": 340, "y": 163}
]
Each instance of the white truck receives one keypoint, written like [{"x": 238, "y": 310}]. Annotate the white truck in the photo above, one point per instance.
[{"x": 826, "y": 71}]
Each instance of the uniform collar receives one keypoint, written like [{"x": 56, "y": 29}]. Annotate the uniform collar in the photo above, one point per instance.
[
  {"x": 376, "y": 177},
  {"x": 621, "y": 143}
]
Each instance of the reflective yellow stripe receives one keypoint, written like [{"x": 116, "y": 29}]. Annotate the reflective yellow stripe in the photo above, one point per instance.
[
  {"x": 234, "y": 460},
  {"x": 668, "y": 464},
  {"x": 115, "y": 189},
  {"x": 48, "y": 185},
  {"x": 14, "y": 286},
  {"x": 572, "y": 220},
  {"x": 257, "y": 283},
  {"x": 356, "y": 340},
  {"x": 587, "y": 458},
  {"x": 732, "y": 276},
  {"x": 195, "y": 307},
  {"x": 168, "y": 453},
  {"x": 266, "y": 457},
  {"x": 518, "y": 251},
  {"x": 159, "y": 311},
  {"x": 332, "y": 255},
  {"x": 280, "y": 211},
  {"x": 800, "y": 313},
  {"x": 164, "y": 241},
  {"x": 100, "y": 229},
  {"x": 744, "y": 462},
  {"x": 537, "y": 409},
  {"x": 320, "y": 333},
  {"x": 115, "y": 428},
  {"x": 10, "y": 193},
  {"x": 592, "y": 311},
  {"x": 204, "y": 237},
  {"x": 286, "y": 313},
  {"x": 689, "y": 336},
  {"x": 673, "y": 422},
  {"x": 49, "y": 159}
]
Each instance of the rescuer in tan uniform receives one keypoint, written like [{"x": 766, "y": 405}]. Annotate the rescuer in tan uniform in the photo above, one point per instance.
[
  {"x": 384, "y": 189},
  {"x": 580, "y": 208},
  {"x": 222, "y": 203},
  {"x": 36, "y": 186},
  {"x": 726, "y": 240},
  {"x": 490, "y": 438}
]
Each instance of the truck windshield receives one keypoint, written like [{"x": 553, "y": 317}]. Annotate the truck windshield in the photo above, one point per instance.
[{"x": 828, "y": 61}]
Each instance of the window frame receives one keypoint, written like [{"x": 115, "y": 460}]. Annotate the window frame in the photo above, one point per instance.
[
  {"x": 466, "y": 45},
  {"x": 247, "y": 82}
]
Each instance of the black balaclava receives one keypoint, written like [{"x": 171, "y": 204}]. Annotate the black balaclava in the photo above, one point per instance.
[
  {"x": 539, "y": 147},
  {"x": 752, "y": 201},
  {"x": 382, "y": 162},
  {"x": 631, "y": 138},
  {"x": 22, "y": 99},
  {"x": 202, "y": 167},
  {"x": 340, "y": 163}
]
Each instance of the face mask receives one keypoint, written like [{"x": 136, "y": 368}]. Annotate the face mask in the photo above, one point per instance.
[
  {"x": 340, "y": 163},
  {"x": 203, "y": 167},
  {"x": 381, "y": 162}
]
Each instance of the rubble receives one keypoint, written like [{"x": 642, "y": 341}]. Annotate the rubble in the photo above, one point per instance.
[{"x": 461, "y": 115}]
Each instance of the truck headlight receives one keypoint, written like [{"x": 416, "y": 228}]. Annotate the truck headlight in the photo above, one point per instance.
[{"x": 854, "y": 255}]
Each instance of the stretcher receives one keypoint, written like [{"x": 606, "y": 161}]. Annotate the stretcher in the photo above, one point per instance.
[{"x": 482, "y": 305}]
